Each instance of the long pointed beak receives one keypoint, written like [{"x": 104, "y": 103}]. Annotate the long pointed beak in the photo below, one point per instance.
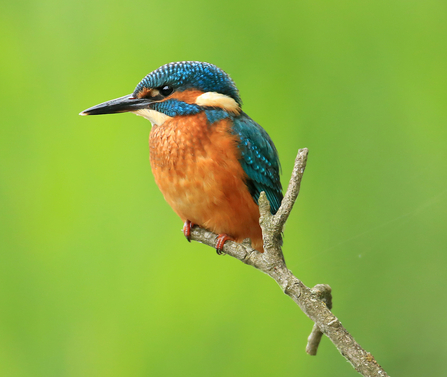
[{"x": 118, "y": 105}]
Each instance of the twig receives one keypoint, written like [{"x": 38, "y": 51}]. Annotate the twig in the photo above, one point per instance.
[
  {"x": 315, "y": 303},
  {"x": 323, "y": 292}
]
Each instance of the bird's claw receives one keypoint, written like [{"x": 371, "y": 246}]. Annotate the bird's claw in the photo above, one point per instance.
[
  {"x": 187, "y": 229},
  {"x": 220, "y": 241}
]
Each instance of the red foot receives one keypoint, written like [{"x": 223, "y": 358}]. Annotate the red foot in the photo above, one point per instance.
[
  {"x": 220, "y": 241},
  {"x": 187, "y": 229}
]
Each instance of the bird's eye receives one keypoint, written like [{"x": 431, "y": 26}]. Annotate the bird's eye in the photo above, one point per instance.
[{"x": 166, "y": 90}]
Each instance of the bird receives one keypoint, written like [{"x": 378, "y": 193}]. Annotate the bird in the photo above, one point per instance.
[{"x": 209, "y": 159}]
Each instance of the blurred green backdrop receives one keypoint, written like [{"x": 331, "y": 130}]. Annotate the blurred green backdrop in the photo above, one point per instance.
[{"x": 96, "y": 278}]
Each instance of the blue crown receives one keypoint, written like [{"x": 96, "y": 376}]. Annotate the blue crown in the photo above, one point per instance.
[{"x": 191, "y": 75}]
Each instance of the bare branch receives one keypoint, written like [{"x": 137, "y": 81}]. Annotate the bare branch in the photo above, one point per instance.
[
  {"x": 315, "y": 303},
  {"x": 292, "y": 191}
]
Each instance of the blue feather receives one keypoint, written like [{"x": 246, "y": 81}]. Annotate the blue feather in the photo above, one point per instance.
[
  {"x": 173, "y": 107},
  {"x": 259, "y": 159},
  {"x": 191, "y": 75},
  {"x": 215, "y": 115}
]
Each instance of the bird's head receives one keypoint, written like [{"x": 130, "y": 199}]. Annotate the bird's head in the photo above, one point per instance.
[{"x": 176, "y": 89}]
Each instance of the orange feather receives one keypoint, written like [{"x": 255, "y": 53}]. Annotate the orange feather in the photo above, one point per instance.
[{"x": 197, "y": 168}]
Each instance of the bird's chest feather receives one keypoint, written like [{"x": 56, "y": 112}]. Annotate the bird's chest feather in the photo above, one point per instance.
[{"x": 196, "y": 165}]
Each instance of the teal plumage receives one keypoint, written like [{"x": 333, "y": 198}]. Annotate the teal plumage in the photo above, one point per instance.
[{"x": 259, "y": 160}]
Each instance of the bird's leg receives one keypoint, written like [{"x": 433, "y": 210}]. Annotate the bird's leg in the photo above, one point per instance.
[
  {"x": 220, "y": 241},
  {"x": 187, "y": 229}
]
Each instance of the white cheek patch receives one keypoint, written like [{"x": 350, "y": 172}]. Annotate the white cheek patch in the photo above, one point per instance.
[
  {"x": 214, "y": 99},
  {"x": 153, "y": 116}
]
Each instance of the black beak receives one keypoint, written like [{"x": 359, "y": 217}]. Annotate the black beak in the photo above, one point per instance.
[{"x": 118, "y": 105}]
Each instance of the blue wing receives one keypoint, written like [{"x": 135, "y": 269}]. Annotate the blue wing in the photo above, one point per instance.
[{"x": 259, "y": 159}]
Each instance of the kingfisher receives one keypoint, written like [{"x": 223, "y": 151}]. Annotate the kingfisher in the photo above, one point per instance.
[{"x": 209, "y": 159}]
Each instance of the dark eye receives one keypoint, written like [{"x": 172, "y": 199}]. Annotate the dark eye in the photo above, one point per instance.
[{"x": 165, "y": 90}]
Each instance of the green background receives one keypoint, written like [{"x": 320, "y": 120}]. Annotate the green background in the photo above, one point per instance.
[{"x": 96, "y": 278}]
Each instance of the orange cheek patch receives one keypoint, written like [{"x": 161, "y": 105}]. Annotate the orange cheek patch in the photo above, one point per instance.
[{"x": 188, "y": 96}]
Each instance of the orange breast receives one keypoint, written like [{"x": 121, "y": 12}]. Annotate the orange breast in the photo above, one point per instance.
[{"x": 196, "y": 168}]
